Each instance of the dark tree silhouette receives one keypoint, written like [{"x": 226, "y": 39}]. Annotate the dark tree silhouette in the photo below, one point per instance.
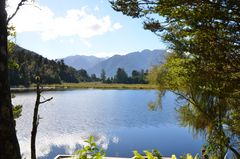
[
  {"x": 121, "y": 76},
  {"x": 9, "y": 146}
]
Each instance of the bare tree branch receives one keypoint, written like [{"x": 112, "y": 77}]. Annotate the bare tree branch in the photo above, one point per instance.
[
  {"x": 21, "y": 3},
  {"x": 47, "y": 100}
]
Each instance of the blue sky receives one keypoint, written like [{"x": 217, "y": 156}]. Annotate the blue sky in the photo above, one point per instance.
[{"x": 60, "y": 28}]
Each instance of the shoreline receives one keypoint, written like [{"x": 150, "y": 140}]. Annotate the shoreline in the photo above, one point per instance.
[{"x": 84, "y": 85}]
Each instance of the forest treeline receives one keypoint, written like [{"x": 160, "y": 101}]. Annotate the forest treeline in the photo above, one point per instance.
[{"x": 28, "y": 65}]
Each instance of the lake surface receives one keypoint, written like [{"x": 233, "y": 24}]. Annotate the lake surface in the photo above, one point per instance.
[{"x": 119, "y": 119}]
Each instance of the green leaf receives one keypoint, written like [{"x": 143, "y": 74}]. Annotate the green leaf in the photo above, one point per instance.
[
  {"x": 149, "y": 155},
  {"x": 137, "y": 155},
  {"x": 17, "y": 111}
]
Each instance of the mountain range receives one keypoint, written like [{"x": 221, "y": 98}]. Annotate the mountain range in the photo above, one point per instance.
[
  {"x": 26, "y": 65},
  {"x": 132, "y": 61},
  {"x": 82, "y": 62}
]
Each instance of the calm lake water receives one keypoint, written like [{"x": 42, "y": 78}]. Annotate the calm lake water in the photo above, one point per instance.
[{"x": 119, "y": 119}]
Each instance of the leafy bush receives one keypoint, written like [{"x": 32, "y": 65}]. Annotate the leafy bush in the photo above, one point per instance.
[
  {"x": 91, "y": 151},
  {"x": 155, "y": 154}
]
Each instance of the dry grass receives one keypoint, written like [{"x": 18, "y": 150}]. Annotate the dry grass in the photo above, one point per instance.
[{"x": 99, "y": 85}]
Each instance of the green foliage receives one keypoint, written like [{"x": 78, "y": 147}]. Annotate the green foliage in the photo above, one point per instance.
[
  {"x": 12, "y": 65},
  {"x": 94, "y": 78},
  {"x": 17, "y": 111},
  {"x": 25, "y": 65},
  {"x": 83, "y": 76},
  {"x": 90, "y": 151},
  {"x": 155, "y": 154},
  {"x": 204, "y": 67},
  {"x": 204, "y": 111},
  {"x": 189, "y": 156},
  {"x": 121, "y": 76},
  {"x": 173, "y": 75},
  {"x": 103, "y": 75},
  {"x": 138, "y": 77},
  {"x": 31, "y": 65}
]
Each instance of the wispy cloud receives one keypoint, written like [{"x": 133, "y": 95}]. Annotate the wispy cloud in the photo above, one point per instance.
[{"x": 76, "y": 22}]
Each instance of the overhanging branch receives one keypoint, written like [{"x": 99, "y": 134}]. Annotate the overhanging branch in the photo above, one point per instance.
[{"x": 18, "y": 7}]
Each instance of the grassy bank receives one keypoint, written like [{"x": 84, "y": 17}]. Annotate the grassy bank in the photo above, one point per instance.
[
  {"x": 98, "y": 85},
  {"x": 85, "y": 85}
]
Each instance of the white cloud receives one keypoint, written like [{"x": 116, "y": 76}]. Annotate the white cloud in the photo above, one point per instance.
[{"x": 78, "y": 22}]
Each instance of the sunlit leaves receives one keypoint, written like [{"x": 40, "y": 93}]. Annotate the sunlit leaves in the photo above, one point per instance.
[
  {"x": 90, "y": 151},
  {"x": 155, "y": 154},
  {"x": 204, "y": 37},
  {"x": 173, "y": 75},
  {"x": 17, "y": 111}
]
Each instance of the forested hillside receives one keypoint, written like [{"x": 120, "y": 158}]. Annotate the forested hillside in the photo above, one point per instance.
[
  {"x": 31, "y": 65},
  {"x": 28, "y": 65}
]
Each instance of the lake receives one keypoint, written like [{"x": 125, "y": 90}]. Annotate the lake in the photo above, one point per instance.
[{"x": 120, "y": 120}]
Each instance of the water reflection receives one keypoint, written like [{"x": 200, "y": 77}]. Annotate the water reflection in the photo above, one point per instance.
[{"x": 119, "y": 118}]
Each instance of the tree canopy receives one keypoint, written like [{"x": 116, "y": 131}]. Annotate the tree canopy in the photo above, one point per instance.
[{"x": 203, "y": 69}]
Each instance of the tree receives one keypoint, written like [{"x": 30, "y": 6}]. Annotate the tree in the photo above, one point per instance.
[
  {"x": 109, "y": 80},
  {"x": 83, "y": 75},
  {"x": 25, "y": 75},
  {"x": 135, "y": 76},
  {"x": 36, "y": 118},
  {"x": 121, "y": 76},
  {"x": 94, "y": 77},
  {"x": 204, "y": 37},
  {"x": 9, "y": 147},
  {"x": 32, "y": 65},
  {"x": 103, "y": 75},
  {"x": 203, "y": 111}
]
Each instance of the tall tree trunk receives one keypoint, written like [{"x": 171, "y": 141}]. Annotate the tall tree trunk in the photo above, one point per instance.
[
  {"x": 35, "y": 123},
  {"x": 9, "y": 147}
]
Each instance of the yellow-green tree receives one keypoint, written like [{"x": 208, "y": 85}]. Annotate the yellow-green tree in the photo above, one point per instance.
[{"x": 204, "y": 37}]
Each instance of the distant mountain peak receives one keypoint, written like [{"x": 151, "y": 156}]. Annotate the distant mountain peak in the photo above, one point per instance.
[
  {"x": 82, "y": 61},
  {"x": 138, "y": 60}
]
